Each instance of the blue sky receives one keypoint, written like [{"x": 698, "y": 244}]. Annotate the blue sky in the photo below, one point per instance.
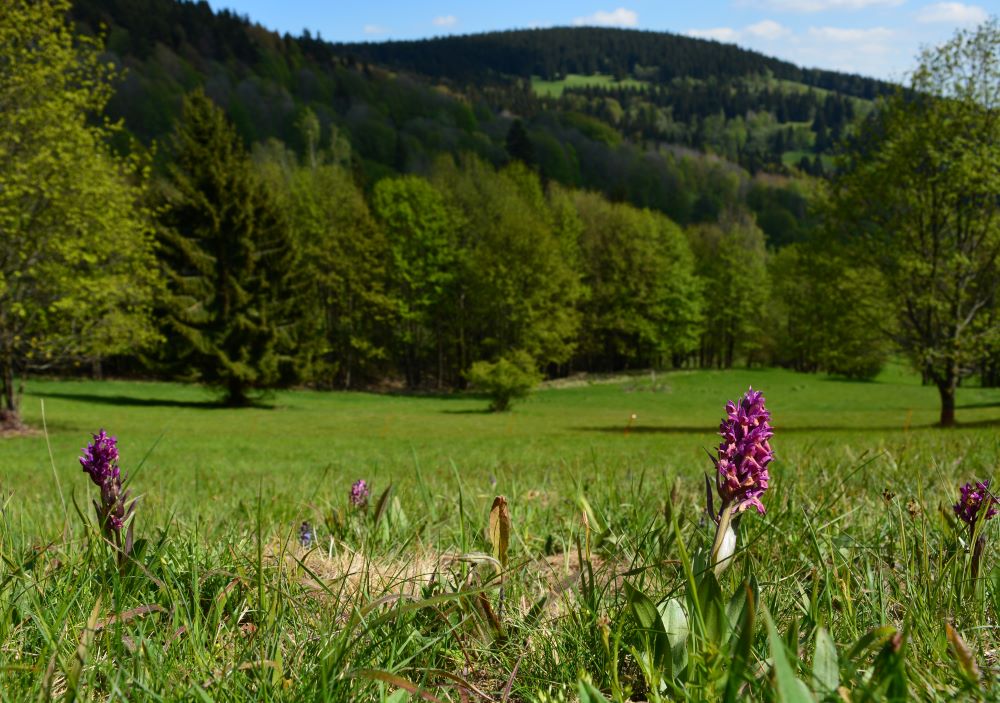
[{"x": 872, "y": 37}]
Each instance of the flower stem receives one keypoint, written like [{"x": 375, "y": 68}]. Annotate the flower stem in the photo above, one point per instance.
[
  {"x": 978, "y": 546},
  {"x": 717, "y": 559}
]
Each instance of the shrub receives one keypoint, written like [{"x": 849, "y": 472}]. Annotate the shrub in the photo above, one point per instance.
[{"x": 510, "y": 378}]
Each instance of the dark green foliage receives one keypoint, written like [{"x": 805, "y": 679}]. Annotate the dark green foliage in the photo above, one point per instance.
[
  {"x": 518, "y": 287},
  {"x": 509, "y": 378},
  {"x": 231, "y": 314},
  {"x": 344, "y": 256},
  {"x": 699, "y": 94},
  {"x": 420, "y": 229},
  {"x": 556, "y": 52},
  {"x": 519, "y": 146},
  {"x": 829, "y": 313}
]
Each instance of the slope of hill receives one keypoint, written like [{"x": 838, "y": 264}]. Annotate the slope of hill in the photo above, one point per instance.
[
  {"x": 684, "y": 135},
  {"x": 557, "y": 52}
]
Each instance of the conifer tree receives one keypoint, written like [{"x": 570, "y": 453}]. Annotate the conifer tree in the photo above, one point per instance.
[{"x": 234, "y": 310}]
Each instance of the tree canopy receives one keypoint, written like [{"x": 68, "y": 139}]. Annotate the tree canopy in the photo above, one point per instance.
[
  {"x": 77, "y": 272},
  {"x": 921, "y": 195},
  {"x": 231, "y": 313}
]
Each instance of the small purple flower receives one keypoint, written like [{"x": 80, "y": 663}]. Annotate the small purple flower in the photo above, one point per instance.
[
  {"x": 100, "y": 462},
  {"x": 744, "y": 453},
  {"x": 973, "y": 499},
  {"x": 360, "y": 493},
  {"x": 306, "y": 534},
  {"x": 100, "y": 458}
]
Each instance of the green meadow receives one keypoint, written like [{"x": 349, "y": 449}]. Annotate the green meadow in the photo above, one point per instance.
[
  {"x": 858, "y": 545},
  {"x": 554, "y": 89},
  {"x": 304, "y": 444}
]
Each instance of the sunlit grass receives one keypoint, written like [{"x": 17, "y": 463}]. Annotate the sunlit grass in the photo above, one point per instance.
[
  {"x": 230, "y": 607},
  {"x": 554, "y": 89}
]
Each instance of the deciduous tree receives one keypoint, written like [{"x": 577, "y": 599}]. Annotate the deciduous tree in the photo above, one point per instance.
[
  {"x": 76, "y": 265},
  {"x": 921, "y": 189}
]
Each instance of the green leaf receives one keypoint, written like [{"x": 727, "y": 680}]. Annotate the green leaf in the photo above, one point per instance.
[
  {"x": 675, "y": 624},
  {"x": 742, "y": 651},
  {"x": 790, "y": 689},
  {"x": 826, "y": 668},
  {"x": 714, "y": 622},
  {"x": 589, "y": 694},
  {"x": 643, "y": 610},
  {"x": 647, "y": 617}
]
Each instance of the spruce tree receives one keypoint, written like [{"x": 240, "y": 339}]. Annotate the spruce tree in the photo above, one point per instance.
[{"x": 233, "y": 310}]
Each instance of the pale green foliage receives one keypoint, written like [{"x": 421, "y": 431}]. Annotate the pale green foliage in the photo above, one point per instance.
[
  {"x": 644, "y": 299},
  {"x": 508, "y": 379},
  {"x": 520, "y": 290},
  {"x": 420, "y": 229},
  {"x": 922, "y": 185},
  {"x": 732, "y": 263},
  {"x": 76, "y": 266}
]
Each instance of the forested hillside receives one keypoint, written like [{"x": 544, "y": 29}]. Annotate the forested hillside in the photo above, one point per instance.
[
  {"x": 349, "y": 216},
  {"x": 644, "y": 144}
]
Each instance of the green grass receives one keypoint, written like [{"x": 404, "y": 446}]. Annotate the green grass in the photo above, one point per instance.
[
  {"x": 792, "y": 158},
  {"x": 554, "y": 89},
  {"x": 236, "y": 610}
]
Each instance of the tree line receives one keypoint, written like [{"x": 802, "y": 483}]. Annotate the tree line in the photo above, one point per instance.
[{"x": 248, "y": 269}]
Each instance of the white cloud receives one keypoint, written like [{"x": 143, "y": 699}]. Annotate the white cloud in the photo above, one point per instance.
[
  {"x": 375, "y": 29},
  {"x": 869, "y": 50},
  {"x": 821, "y": 5},
  {"x": 620, "y": 17},
  {"x": 951, "y": 13},
  {"x": 840, "y": 34},
  {"x": 723, "y": 34},
  {"x": 446, "y": 21},
  {"x": 767, "y": 30}
]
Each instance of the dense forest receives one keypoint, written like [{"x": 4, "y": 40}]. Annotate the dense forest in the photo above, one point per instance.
[
  {"x": 653, "y": 148},
  {"x": 358, "y": 215}
]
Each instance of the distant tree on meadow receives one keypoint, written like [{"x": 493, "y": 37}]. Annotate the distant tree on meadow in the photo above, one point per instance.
[
  {"x": 76, "y": 266},
  {"x": 233, "y": 311},
  {"x": 419, "y": 227},
  {"x": 828, "y": 312},
  {"x": 517, "y": 287},
  {"x": 921, "y": 194}
]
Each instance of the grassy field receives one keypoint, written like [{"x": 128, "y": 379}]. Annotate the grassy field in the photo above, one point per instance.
[
  {"x": 554, "y": 89},
  {"x": 221, "y": 602}
]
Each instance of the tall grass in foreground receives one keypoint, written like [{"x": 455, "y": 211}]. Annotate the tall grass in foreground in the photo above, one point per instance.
[{"x": 855, "y": 584}]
